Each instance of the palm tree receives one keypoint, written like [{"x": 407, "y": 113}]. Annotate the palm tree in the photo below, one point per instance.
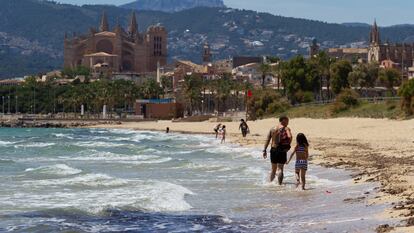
[{"x": 265, "y": 69}]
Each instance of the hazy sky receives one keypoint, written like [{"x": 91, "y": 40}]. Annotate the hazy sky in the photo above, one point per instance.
[{"x": 338, "y": 11}]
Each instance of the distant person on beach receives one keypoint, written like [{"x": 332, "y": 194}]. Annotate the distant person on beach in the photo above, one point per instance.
[
  {"x": 281, "y": 138},
  {"x": 223, "y": 134},
  {"x": 167, "y": 130},
  {"x": 302, "y": 156},
  {"x": 244, "y": 127},
  {"x": 216, "y": 129}
]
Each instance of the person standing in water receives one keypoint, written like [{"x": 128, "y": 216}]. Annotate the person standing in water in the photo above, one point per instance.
[
  {"x": 223, "y": 134},
  {"x": 280, "y": 138},
  {"x": 302, "y": 156},
  {"x": 216, "y": 129},
  {"x": 243, "y": 127}
]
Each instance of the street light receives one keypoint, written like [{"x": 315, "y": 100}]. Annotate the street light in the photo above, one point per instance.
[
  {"x": 3, "y": 104},
  {"x": 16, "y": 107},
  {"x": 8, "y": 105}
]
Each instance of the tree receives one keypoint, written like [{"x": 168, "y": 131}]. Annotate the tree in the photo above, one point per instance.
[
  {"x": 323, "y": 62},
  {"x": 298, "y": 77},
  {"x": 265, "y": 70},
  {"x": 407, "y": 93},
  {"x": 223, "y": 88},
  {"x": 339, "y": 75},
  {"x": 390, "y": 78},
  {"x": 192, "y": 91},
  {"x": 357, "y": 77},
  {"x": 151, "y": 89}
]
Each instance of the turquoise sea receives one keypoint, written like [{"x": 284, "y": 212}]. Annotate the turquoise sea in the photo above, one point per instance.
[{"x": 98, "y": 180}]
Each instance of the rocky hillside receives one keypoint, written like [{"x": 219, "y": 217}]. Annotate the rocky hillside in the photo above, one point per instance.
[
  {"x": 172, "y": 5},
  {"x": 31, "y": 32}
]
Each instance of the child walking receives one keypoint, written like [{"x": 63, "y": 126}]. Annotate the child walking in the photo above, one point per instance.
[
  {"x": 223, "y": 134},
  {"x": 302, "y": 156}
]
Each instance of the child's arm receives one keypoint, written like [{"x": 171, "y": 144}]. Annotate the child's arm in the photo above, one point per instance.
[{"x": 291, "y": 156}]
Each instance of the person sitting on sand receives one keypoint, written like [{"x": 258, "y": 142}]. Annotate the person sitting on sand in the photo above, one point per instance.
[
  {"x": 243, "y": 127},
  {"x": 281, "y": 138},
  {"x": 216, "y": 129},
  {"x": 302, "y": 155},
  {"x": 223, "y": 134}
]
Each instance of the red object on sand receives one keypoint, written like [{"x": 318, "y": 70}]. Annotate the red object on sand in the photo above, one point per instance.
[
  {"x": 249, "y": 93},
  {"x": 328, "y": 192}
]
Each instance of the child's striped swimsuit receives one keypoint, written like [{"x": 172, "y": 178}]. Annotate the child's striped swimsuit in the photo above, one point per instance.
[{"x": 301, "y": 164}]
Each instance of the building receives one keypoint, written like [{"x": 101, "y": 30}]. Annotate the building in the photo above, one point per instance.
[
  {"x": 118, "y": 50},
  {"x": 400, "y": 54},
  {"x": 353, "y": 55},
  {"x": 158, "y": 109},
  {"x": 240, "y": 61},
  {"x": 207, "y": 56}
]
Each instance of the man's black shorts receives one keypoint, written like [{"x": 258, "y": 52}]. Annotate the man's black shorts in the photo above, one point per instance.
[{"x": 278, "y": 155}]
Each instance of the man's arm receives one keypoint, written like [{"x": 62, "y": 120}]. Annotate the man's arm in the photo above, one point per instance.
[
  {"x": 269, "y": 138},
  {"x": 289, "y": 134}
]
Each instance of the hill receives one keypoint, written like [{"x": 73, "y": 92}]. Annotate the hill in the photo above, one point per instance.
[
  {"x": 31, "y": 32},
  {"x": 171, "y": 5}
]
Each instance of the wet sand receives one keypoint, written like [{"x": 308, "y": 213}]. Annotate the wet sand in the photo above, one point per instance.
[{"x": 377, "y": 150}]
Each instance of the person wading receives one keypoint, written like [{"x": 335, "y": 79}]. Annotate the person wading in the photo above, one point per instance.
[
  {"x": 244, "y": 127},
  {"x": 281, "y": 138}
]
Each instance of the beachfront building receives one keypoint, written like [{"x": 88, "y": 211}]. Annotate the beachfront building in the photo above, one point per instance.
[
  {"x": 158, "y": 109},
  {"x": 118, "y": 50}
]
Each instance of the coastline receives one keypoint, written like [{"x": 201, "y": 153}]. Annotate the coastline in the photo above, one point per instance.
[{"x": 377, "y": 150}]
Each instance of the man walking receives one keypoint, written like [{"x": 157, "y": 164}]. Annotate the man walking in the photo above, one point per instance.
[{"x": 281, "y": 138}]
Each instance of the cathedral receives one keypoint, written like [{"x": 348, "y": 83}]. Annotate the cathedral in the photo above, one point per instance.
[
  {"x": 399, "y": 55},
  {"x": 119, "y": 50}
]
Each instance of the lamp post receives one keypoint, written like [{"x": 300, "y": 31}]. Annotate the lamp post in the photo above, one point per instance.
[
  {"x": 202, "y": 107},
  {"x": 8, "y": 105},
  {"x": 16, "y": 107},
  {"x": 2, "y": 104}
]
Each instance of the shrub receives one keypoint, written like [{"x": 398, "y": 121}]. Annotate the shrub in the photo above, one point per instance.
[
  {"x": 345, "y": 100},
  {"x": 266, "y": 102},
  {"x": 304, "y": 97},
  {"x": 407, "y": 94}
]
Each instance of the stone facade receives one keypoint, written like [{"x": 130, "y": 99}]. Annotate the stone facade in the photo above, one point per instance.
[
  {"x": 401, "y": 54},
  {"x": 118, "y": 50}
]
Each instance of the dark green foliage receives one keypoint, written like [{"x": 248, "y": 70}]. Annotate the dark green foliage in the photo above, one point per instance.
[
  {"x": 407, "y": 93},
  {"x": 299, "y": 76},
  {"x": 266, "y": 102},
  {"x": 345, "y": 100},
  {"x": 339, "y": 75},
  {"x": 390, "y": 78},
  {"x": 45, "y": 97}
]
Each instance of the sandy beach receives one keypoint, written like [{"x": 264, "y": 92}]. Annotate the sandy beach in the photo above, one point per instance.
[{"x": 377, "y": 150}]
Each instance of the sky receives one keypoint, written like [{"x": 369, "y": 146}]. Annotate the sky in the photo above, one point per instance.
[{"x": 334, "y": 11}]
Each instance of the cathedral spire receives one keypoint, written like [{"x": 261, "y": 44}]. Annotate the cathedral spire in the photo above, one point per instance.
[
  {"x": 133, "y": 25},
  {"x": 118, "y": 28},
  {"x": 374, "y": 35},
  {"x": 104, "y": 23}
]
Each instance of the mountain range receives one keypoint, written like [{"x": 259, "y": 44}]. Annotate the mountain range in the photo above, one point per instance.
[
  {"x": 32, "y": 32},
  {"x": 171, "y": 5}
]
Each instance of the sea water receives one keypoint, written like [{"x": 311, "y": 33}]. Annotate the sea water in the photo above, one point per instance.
[{"x": 99, "y": 180}]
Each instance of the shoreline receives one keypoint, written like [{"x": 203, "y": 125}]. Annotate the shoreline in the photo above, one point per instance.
[{"x": 368, "y": 160}]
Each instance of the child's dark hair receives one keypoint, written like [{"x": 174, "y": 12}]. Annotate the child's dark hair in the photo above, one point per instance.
[{"x": 302, "y": 140}]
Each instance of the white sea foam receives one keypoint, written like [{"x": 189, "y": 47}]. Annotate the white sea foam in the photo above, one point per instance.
[
  {"x": 61, "y": 135},
  {"x": 87, "y": 180},
  {"x": 58, "y": 169},
  {"x": 5, "y": 143},
  {"x": 35, "y": 145},
  {"x": 95, "y": 144},
  {"x": 133, "y": 195}
]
